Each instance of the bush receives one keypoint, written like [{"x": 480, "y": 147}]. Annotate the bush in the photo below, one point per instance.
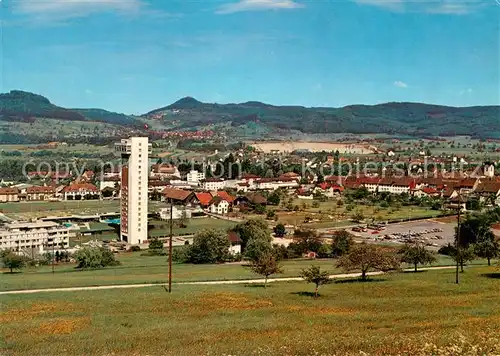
[
  {"x": 447, "y": 250},
  {"x": 181, "y": 255},
  {"x": 135, "y": 249},
  {"x": 155, "y": 244},
  {"x": 95, "y": 257}
]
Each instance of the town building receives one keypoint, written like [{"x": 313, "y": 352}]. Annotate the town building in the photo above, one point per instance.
[
  {"x": 134, "y": 189},
  {"x": 194, "y": 177},
  {"x": 164, "y": 170},
  {"x": 35, "y": 193},
  {"x": 178, "y": 212},
  {"x": 80, "y": 191},
  {"x": 31, "y": 237},
  {"x": 212, "y": 184},
  {"x": 219, "y": 205},
  {"x": 9, "y": 195}
]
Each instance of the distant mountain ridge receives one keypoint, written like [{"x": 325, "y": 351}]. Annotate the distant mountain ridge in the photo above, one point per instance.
[
  {"x": 416, "y": 119},
  {"x": 18, "y": 105}
]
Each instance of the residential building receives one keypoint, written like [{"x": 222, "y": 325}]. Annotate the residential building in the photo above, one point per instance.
[
  {"x": 9, "y": 195},
  {"x": 110, "y": 181},
  {"x": 40, "y": 193},
  {"x": 489, "y": 192},
  {"x": 235, "y": 241},
  {"x": 31, "y": 237},
  {"x": 194, "y": 177},
  {"x": 178, "y": 212},
  {"x": 398, "y": 185},
  {"x": 219, "y": 205},
  {"x": 134, "y": 189},
  {"x": 80, "y": 191},
  {"x": 179, "y": 197},
  {"x": 212, "y": 184},
  {"x": 164, "y": 170},
  {"x": 204, "y": 199}
]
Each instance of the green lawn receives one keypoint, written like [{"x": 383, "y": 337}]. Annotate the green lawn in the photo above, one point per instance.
[
  {"x": 397, "y": 314},
  {"x": 329, "y": 215},
  {"x": 136, "y": 269},
  {"x": 25, "y": 210},
  {"x": 193, "y": 226}
]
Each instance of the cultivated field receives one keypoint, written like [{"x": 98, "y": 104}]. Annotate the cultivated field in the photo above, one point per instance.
[
  {"x": 288, "y": 146},
  {"x": 397, "y": 314},
  {"x": 37, "y": 209}
]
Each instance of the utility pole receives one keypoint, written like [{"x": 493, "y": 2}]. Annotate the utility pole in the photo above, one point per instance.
[
  {"x": 457, "y": 242},
  {"x": 53, "y": 254},
  {"x": 170, "y": 246}
]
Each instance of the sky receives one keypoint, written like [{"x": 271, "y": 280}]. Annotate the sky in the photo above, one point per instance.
[{"x": 133, "y": 56}]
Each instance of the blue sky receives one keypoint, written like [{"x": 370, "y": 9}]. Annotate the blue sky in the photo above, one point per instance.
[{"x": 136, "y": 55}]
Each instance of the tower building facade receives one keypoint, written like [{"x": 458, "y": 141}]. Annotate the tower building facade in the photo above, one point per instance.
[{"x": 134, "y": 189}]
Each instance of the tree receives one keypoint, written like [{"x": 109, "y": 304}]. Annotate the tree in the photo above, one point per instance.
[
  {"x": 12, "y": 260},
  {"x": 416, "y": 254},
  {"x": 260, "y": 209},
  {"x": 94, "y": 257},
  {"x": 266, "y": 265},
  {"x": 488, "y": 248},
  {"x": 209, "y": 246},
  {"x": 256, "y": 248},
  {"x": 155, "y": 244},
  {"x": 367, "y": 257},
  {"x": 252, "y": 229},
  {"x": 305, "y": 241},
  {"x": 280, "y": 230},
  {"x": 462, "y": 255},
  {"x": 357, "y": 217},
  {"x": 315, "y": 275},
  {"x": 274, "y": 198},
  {"x": 183, "y": 219},
  {"x": 342, "y": 242}
]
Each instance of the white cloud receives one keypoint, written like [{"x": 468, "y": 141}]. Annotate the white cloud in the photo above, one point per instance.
[
  {"x": 465, "y": 92},
  {"x": 258, "y": 5},
  {"x": 388, "y": 4},
  {"x": 74, "y": 8},
  {"x": 450, "y": 9},
  {"x": 442, "y": 7},
  {"x": 400, "y": 84}
]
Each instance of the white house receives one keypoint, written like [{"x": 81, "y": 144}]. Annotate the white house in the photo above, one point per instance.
[
  {"x": 219, "y": 206},
  {"x": 177, "y": 213},
  {"x": 194, "y": 177},
  {"x": 213, "y": 184}
]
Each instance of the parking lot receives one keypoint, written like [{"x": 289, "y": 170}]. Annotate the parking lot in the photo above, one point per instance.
[{"x": 431, "y": 232}]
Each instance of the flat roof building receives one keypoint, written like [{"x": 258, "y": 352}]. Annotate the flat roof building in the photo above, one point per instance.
[{"x": 134, "y": 189}]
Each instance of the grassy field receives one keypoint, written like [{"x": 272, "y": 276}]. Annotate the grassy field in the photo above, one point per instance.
[
  {"x": 329, "y": 215},
  {"x": 397, "y": 314},
  {"x": 27, "y": 210},
  {"x": 136, "y": 269},
  {"x": 193, "y": 226}
]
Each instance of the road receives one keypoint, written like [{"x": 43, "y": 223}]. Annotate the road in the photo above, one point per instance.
[{"x": 239, "y": 281}]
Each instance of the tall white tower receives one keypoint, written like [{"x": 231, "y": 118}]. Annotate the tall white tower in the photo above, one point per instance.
[{"x": 134, "y": 189}]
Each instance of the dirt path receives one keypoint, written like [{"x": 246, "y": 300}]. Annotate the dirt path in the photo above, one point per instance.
[{"x": 239, "y": 281}]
